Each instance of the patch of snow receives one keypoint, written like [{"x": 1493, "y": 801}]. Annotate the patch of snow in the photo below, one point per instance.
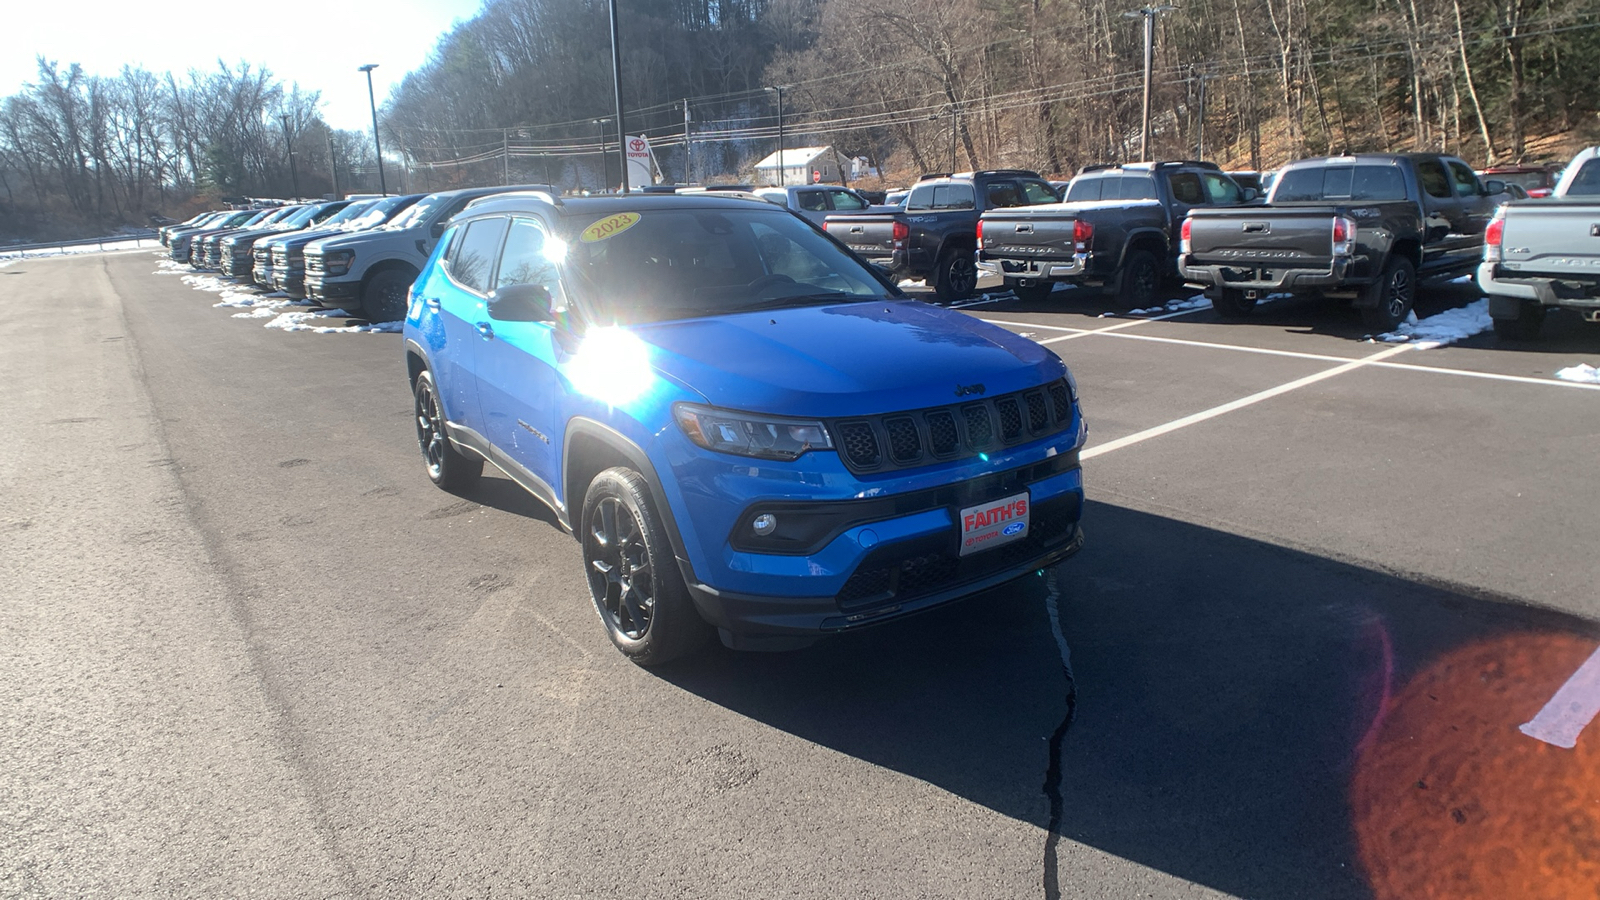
[
  {"x": 1581, "y": 373},
  {"x": 306, "y": 321},
  {"x": 913, "y": 282},
  {"x": 6, "y": 262},
  {"x": 1198, "y": 301},
  {"x": 1445, "y": 328}
]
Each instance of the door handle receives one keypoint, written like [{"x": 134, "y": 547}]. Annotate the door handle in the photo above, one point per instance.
[
  {"x": 433, "y": 302},
  {"x": 485, "y": 330}
]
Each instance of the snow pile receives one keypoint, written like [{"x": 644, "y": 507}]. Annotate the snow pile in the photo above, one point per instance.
[
  {"x": 168, "y": 266},
  {"x": 1198, "y": 301},
  {"x": 6, "y": 262},
  {"x": 1445, "y": 328},
  {"x": 1582, "y": 374},
  {"x": 306, "y": 321}
]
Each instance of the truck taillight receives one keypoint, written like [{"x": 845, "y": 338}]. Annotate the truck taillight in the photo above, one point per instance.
[
  {"x": 900, "y": 233},
  {"x": 1184, "y": 244},
  {"x": 1344, "y": 236},
  {"x": 1493, "y": 236},
  {"x": 980, "y": 234},
  {"x": 1082, "y": 234}
]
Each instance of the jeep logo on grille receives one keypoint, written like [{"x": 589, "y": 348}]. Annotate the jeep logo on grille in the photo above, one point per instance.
[{"x": 963, "y": 390}]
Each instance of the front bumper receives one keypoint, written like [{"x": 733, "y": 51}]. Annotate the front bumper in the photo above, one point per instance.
[
  {"x": 906, "y": 563},
  {"x": 331, "y": 293}
]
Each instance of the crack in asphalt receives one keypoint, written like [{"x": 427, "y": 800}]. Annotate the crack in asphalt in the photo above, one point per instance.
[{"x": 1052, "y": 774}]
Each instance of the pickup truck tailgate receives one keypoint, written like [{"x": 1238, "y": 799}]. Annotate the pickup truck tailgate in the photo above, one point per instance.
[
  {"x": 871, "y": 236},
  {"x": 1035, "y": 234},
  {"x": 1263, "y": 236},
  {"x": 1552, "y": 239}
]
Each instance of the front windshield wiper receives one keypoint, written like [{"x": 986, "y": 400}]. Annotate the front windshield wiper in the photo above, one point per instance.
[{"x": 800, "y": 300}]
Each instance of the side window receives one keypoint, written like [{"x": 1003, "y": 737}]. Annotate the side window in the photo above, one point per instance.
[
  {"x": 1186, "y": 188},
  {"x": 812, "y": 201},
  {"x": 958, "y": 195},
  {"x": 1138, "y": 187},
  {"x": 1587, "y": 182},
  {"x": 1434, "y": 180},
  {"x": 1002, "y": 195},
  {"x": 1466, "y": 182},
  {"x": 782, "y": 256},
  {"x": 921, "y": 198},
  {"x": 846, "y": 200},
  {"x": 527, "y": 259},
  {"x": 1220, "y": 190},
  {"x": 473, "y": 254},
  {"x": 1035, "y": 193},
  {"x": 1084, "y": 189}
]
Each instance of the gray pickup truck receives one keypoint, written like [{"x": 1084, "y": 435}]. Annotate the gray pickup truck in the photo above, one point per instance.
[
  {"x": 1545, "y": 254},
  {"x": 1361, "y": 228},
  {"x": 1117, "y": 230}
]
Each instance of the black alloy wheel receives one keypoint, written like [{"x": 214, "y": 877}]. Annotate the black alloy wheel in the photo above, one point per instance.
[
  {"x": 446, "y": 466},
  {"x": 621, "y": 575},
  {"x": 1396, "y": 293},
  {"x": 1140, "y": 287},
  {"x": 384, "y": 298},
  {"x": 957, "y": 277}
]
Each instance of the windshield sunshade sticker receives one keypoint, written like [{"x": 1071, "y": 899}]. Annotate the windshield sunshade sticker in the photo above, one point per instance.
[{"x": 609, "y": 227}]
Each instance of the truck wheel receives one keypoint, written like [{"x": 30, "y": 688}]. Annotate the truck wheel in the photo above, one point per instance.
[
  {"x": 1525, "y": 327},
  {"x": 956, "y": 276},
  {"x": 1395, "y": 293},
  {"x": 447, "y": 467},
  {"x": 1140, "y": 285},
  {"x": 1232, "y": 304},
  {"x": 633, "y": 577},
  {"x": 384, "y": 297},
  {"x": 1031, "y": 289}
]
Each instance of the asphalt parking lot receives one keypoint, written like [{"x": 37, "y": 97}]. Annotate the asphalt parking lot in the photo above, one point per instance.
[{"x": 1329, "y": 587}]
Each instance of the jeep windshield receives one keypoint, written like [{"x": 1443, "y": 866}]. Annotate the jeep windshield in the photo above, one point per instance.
[{"x": 661, "y": 264}]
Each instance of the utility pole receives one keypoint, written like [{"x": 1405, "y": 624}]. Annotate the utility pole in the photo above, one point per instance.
[
  {"x": 782, "y": 173},
  {"x": 953, "y": 112},
  {"x": 616, "y": 81},
  {"x": 1149, "y": 13},
  {"x": 383, "y": 186},
  {"x": 686, "y": 144},
  {"x": 289, "y": 142},
  {"x": 605, "y": 157},
  {"x": 1200, "y": 128}
]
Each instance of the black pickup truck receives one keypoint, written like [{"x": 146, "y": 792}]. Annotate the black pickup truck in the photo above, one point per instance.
[
  {"x": 1117, "y": 230},
  {"x": 1362, "y": 228},
  {"x": 934, "y": 238}
]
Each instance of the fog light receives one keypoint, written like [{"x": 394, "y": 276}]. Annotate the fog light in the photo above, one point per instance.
[{"x": 764, "y": 524}]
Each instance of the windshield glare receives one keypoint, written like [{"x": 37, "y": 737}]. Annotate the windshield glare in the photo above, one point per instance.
[
  {"x": 680, "y": 263},
  {"x": 349, "y": 212},
  {"x": 416, "y": 215}
]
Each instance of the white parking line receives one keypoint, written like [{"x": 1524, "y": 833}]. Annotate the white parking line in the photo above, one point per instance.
[
  {"x": 1572, "y": 708},
  {"x": 1241, "y": 403}
]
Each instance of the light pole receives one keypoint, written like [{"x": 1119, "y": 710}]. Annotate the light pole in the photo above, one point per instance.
[
  {"x": 383, "y": 186},
  {"x": 605, "y": 158},
  {"x": 782, "y": 173},
  {"x": 616, "y": 82},
  {"x": 294, "y": 175},
  {"x": 1149, "y": 13}
]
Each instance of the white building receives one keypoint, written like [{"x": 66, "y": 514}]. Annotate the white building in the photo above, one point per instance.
[{"x": 802, "y": 165}]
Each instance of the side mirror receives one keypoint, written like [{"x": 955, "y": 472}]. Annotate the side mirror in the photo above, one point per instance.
[
  {"x": 437, "y": 230},
  {"x": 1492, "y": 187},
  {"x": 521, "y": 303},
  {"x": 1248, "y": 194}
]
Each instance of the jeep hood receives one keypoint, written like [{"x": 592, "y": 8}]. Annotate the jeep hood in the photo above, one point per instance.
[{"x": 846, "y": 359}]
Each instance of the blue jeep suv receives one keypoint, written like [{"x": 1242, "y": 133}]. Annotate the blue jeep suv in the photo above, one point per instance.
[{"x": 749, "y": 430}]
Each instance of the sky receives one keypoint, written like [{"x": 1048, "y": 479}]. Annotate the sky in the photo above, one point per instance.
[{"x": 317, "y": 44}]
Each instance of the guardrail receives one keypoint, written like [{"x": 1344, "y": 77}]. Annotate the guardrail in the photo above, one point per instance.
[{"x": 137, "y": 237}]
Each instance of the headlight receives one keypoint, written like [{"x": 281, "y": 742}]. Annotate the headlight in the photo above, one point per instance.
[
  {"x": 337, "y": 262},
  {"x": 749, "y": 434}
]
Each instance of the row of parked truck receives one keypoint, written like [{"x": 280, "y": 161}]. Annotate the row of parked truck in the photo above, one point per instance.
[{"x": 1364, "y": 229}]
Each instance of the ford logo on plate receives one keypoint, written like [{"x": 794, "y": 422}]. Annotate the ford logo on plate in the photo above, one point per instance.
[{"x": 1014, "y": 527}]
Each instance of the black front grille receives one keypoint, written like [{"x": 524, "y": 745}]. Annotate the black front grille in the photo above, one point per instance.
[
  {"x": 920, "y": 437},
  {"x": 899, "y": 573}
]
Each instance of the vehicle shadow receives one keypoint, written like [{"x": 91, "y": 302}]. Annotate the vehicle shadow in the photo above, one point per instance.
[
  {"x": 496, "y": 491},
  {"x": 1224, "y": 697}
]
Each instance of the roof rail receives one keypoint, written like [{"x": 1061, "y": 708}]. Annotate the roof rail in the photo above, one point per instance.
[
  {"x": 1189, "y": 163},
  {"x": 1097, "y": 167},
  {"x": 1024, "y": 173},
  {"x": 928, "y": 176}
]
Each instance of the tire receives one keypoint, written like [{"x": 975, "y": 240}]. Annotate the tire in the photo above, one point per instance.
[
  {"x": 1525, "y": 327},
  {"x": 1031, "y": 292},
  {"x": 633, "y": 576},
  {"x": 956, "y": 276},
  {"x": 1140, "y": 284},
  {"x": 1232, "y": 304},
  {"x": 447, "y": 467},
  {"x": 384, "y": 297},
  {"x": 1394, "y": 293}
]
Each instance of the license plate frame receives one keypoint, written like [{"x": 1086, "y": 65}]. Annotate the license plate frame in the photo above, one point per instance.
[{"x": 994, "y": 523}]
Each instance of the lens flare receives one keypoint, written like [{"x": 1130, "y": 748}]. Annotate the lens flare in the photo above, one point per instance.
[{"x": 612, "y": 366}]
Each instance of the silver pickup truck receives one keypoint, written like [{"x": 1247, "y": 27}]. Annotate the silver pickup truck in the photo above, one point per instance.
[{"x": 1544, "y": 254}]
